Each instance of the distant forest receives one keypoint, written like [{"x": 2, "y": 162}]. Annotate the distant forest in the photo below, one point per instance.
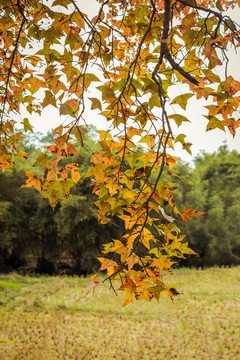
[{"x": 34, "y": 238}]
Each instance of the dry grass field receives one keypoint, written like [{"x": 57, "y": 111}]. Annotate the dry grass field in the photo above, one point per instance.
[{"x": 51, "y": 318}]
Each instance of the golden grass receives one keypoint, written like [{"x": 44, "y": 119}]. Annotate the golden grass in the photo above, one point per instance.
[{"x": 51, "y": 318}]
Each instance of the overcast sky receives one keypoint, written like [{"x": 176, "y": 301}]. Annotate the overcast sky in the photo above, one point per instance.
[{"x": 195, "y": 130}]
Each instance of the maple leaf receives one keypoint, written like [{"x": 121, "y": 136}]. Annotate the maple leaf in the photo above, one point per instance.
[
  {"x": 93, "y": 284},
  {"x": 27, "y": 125},
  {"x": 171, "y": 292},
  {"x": 42, "y": 160},
  {"x": 156, "y": 291},
  {"x": 178, "y": 118},
  {"x": 149, "y": 139},
  {"x": 106, "y": 263},
  {"x": 214, "y": 123},
  {"x": 182, "y": 100},
  {"x": 189, "y": 212},
  {"x": 70, "y": 107},
  {"x": 79, "y": 132},
  {"x": 96, "y": 104},
  {"x": 128, "y": 297},
  {"x": 32, "y": 181},
  {"x": 232, "y": 125}
]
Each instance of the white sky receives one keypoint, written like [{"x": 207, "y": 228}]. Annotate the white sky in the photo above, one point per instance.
[{"x": 195, "y": 131}]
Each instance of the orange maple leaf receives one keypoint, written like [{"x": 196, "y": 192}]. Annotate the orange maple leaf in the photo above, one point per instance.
[{"x": 189, "y": 212}]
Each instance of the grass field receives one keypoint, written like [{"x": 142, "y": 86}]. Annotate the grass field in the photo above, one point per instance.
[{"x": 50, "y": 318}]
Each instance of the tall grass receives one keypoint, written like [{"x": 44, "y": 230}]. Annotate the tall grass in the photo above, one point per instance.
[{"x": 51, "y": 318}]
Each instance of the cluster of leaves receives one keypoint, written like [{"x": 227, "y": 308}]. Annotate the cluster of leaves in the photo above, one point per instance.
[{"x": 139, "y": 49}]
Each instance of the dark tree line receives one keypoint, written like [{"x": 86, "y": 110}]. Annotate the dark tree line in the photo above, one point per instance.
[
  {"x": 212, "y": 185},
  {"x": 67, "y": 240}
]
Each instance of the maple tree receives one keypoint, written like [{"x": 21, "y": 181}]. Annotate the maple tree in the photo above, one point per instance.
[{"x": 134, "y": 52}]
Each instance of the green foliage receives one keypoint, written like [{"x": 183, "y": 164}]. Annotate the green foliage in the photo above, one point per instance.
[{"x": 214, "y": 184}]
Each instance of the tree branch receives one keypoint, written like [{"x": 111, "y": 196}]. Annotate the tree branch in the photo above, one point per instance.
[
  {"x": 11, "y": 65},
  {"x": 209, "y": 11},
  {"x": 165, "y": 50}
]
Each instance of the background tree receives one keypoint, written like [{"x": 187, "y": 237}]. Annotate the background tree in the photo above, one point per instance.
[
  {"x": 215, "y": 185},
  {"x": 135, "y": 51}
]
